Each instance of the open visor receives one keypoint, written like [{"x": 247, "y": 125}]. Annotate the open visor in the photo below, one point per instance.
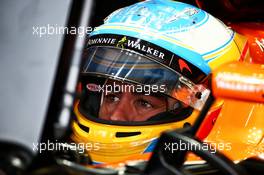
[{"x": 129, "y": 66}]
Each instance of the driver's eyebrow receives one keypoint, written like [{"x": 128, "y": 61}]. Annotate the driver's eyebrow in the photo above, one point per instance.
[
  {"x": 116, "y": 93},
  {"x": 157, "y": 95}
]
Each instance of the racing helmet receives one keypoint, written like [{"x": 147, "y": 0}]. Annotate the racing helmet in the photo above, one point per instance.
[{"x": 166, "y": 47}]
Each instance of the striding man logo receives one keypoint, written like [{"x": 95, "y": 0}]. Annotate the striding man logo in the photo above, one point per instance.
[{"x": 121, "y": 42}]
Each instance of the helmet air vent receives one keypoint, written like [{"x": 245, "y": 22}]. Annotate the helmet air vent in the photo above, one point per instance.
[
  {"x": 84, "y": 128},
  {"x": 127, "y": 134}
]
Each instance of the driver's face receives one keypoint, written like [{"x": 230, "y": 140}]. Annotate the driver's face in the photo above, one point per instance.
[{"x": 129, "y": 106}]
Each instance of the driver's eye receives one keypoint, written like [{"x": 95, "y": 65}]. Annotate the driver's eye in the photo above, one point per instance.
[
  {"x": 144, "y": 104},
  {"x": 111, "y": 98}
]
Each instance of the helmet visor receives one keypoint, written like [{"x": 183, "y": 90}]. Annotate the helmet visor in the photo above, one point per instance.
[{"x": 147, "y": 75}]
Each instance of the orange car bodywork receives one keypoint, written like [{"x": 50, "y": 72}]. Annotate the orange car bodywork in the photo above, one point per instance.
[
  {"x": 254, "y": 31},
  {"x": 241, "y": 85},
  {"x": 241, "y": 120}
]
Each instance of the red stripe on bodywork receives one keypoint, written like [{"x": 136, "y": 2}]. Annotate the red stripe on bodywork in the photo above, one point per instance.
[{"x": 244, "y": 52}]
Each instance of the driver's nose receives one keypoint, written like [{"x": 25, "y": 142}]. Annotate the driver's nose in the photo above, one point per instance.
[{"x": 124, "y": 111}]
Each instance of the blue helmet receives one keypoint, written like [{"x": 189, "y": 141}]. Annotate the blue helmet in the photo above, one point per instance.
[{"x": 157, "y": 42}]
